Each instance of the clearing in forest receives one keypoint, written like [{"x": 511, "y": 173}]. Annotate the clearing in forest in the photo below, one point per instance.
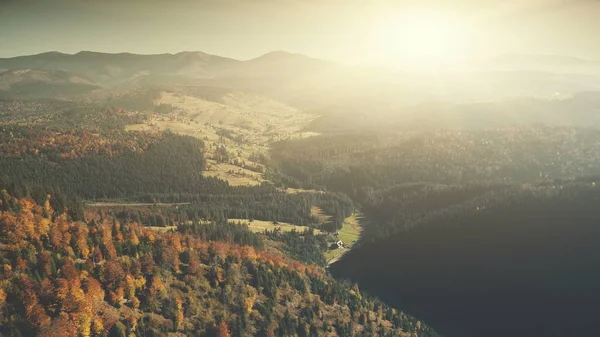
[
  {"x": 348, "y": 234},
  {"x": 259, "y": 226},
  {"x": 317, "y": 212},
  {"x": 235, "y": 175},
  {"x": 134, "y": 204},
  {"x": 292, "y": 190},
  {"x": 162, "y": 229}
]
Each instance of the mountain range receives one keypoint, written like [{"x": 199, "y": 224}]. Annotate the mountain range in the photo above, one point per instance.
[
  {"x": 295, "y": 79},
  {"x": 117, "y": 69}
]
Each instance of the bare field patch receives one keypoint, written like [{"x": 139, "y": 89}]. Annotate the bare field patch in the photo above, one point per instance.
[
  {"x": 137, "y": 127},
  {"x": 305, "y": 134},
  {"x": 291, "y": 190},
  {"x": 318, "y": 213},
  {"x": 133, "y": 204},
  {"x": 162, "y": 229},
  {"x": 235, "y": 175},
  {"x": 259, "y": 226},
  {"x": 351, "y": 229}
]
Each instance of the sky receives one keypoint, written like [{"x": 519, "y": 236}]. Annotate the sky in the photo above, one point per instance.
[{"x": 376, "y": 32}]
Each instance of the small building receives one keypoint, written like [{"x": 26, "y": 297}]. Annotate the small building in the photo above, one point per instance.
[{"x": 337, "y": 245}]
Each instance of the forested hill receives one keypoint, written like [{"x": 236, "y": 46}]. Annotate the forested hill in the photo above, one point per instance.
[
  {"x": 356, "y": 162},
  {"x": 399, "y": 179},
  {"x": 525, "y": 264},
  {"x": 144, "y": 167},
  {"x": 176, "y": 265},
  {"x": 101, "y": 276},
  {"x": 117, "y": 164}
]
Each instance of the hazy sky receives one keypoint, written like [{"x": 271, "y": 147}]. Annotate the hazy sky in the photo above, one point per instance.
[{"x": 354, "y": 31}]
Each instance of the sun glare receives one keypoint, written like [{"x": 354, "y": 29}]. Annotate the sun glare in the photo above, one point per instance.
[{"x": 420, "y": 38}]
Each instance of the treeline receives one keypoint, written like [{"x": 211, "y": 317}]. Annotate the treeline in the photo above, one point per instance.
[
  {"x": 408, "y": 206},
  {"x": 399, "y": 178},
  {"x": 405, "y": 206},
  {"x": 159, "y": 217},
  {"x": 102, "y": 277},
  {"x": 173, "y": 164},
  {"x": 305, "y": 246},
  {"x": 55, "y": 144},
  {"x": 227, "y": 232},
  {"x": 353, "y": 163},
  {"x": 263, "y": 202},
  {"x": 67, "y": 114},
  {"x": 148, "y": 168}
]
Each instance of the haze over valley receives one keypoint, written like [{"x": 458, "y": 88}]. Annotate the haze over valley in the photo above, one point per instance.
[{"x": 299, "y": 169}]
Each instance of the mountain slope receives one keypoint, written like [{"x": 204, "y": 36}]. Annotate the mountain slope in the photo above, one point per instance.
[
  {"x": 103, "y": 277},
  {"x": 281, "y": 64},
  {"x": 523, "y": 265},
  {"x": 43, "y": 83}
]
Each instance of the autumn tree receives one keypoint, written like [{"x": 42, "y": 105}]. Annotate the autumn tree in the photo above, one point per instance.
[{"x": 223, "y": 329}]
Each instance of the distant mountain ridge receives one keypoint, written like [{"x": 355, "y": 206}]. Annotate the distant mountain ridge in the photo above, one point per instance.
[
  {"x": 114, "y": 69},
  {"x": 315, "y": 84},
  {"x": 109, "y": 69},
  {"x": 284, "y": 76}
]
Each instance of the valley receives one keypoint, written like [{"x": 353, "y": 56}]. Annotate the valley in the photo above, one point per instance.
[
  {"x": 190, "y": 194},
  {"x": 474, "y": 247},
  {"x": 515, "y": 262},
  {"x": 292, "y": 168}
]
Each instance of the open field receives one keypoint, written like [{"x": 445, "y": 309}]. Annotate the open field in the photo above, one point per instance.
[
  {"x": 243, "y": 123},
  {"x": 351, "y": 229},
  {"x": 241, "y": 110},
  {"x": 259, "y": 226},
  {"x": 258, "y": 120},
  {"x": 292, "y": 190},
  {"x": 132, "y": 204},
  {"x": 349, "y": 234},
  {"x": 235, "y": 175},
  {"x": 162, "y": 229}
]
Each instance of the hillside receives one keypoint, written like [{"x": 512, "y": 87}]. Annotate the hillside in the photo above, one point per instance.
[
  {"x": 523, "y": 265},
  {"x": 117, "y": 267},
  {"x": 482, "y": 232},
  {"x": 579, "y": 109},
  {"x": 104, "y": 277},
  {"x": 43, "y": 83},
  {"x": 53, "y": 113},
  {"x": 249, "y": 117}
]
